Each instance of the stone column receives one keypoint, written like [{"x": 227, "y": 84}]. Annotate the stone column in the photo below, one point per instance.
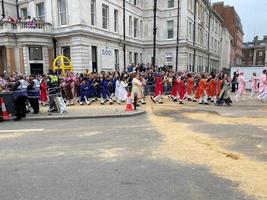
[
  {"x": 50, "y": 57},
  {"x": 11, "y": 64},
  {"x": 21, "y": 61}
]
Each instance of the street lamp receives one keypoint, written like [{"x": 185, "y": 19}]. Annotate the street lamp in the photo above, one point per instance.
[
  {"x": 124, "y": 36},
  {"x": 154, "y": 33},
  {"x": 178, "y": 32},
  {"x": 3, "y": 9}
]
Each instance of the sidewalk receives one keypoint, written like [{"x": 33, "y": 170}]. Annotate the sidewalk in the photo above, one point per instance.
[{"x": 85, "y": 112}]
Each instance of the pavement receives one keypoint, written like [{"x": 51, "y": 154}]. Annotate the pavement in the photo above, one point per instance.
[
  {"x": 85, "y": 112},
  {"x": 99, "y": 159}
]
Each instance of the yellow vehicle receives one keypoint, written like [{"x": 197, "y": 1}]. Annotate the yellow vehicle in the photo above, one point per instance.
[{"x": 62, "y": 63}]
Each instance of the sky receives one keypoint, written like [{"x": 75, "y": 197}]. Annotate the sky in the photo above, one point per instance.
[{"x": 253, "y": 14}]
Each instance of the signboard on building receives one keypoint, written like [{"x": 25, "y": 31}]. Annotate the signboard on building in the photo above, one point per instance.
[{"x": 108, "y": 60}]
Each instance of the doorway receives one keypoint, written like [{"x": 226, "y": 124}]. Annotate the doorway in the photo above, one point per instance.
[
  {"x": 94, "y": 59},
  {"x": 37, "y": 69}
]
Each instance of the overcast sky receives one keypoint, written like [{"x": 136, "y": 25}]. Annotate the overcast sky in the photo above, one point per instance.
[{"x": 253, "y": 14}]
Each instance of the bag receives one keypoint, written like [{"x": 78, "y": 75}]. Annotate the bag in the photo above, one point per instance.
[{"x": 61, "y": 106}]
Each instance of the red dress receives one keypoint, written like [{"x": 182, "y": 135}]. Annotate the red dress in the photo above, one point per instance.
[
  {"x": 181, "y": 89},
  {"x": 190, "y": 86},
  {"x": 158, "y": 86},
  {"x": 174, "y": 90},
  {"x": 43, "y": 92},
  {"x": 211, "y": 88}
]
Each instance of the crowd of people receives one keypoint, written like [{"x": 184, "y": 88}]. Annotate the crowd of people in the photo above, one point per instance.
[
  {"x": 136, "y": 83},
  {"x": 29, "y": 21}
]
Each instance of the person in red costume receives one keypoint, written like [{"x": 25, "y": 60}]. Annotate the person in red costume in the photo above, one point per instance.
[{"x": 158, "y": 90}]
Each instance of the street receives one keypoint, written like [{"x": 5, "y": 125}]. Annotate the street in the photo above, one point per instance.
[{"x": 134, "y": 158}]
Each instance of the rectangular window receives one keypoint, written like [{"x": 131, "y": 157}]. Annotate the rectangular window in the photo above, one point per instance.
[
  {"x": 62, "y": 12},
  {"x": 105, "y": 15},
  {"x": 116, "y": 20},
  {"x": 130, "y": 26},
  {"x": 130, "y": 58},
  {"x": 141, "y": 29},
  {"x": 35, "y": 53},
  {"x": 170, "y": 29},
  {"x": 135, "y": 27},
  {"x": 170, "y": 3},
  {"x": 93, "y": 12},
  {"x": 24, "y": 13},
  {"x": 66, "y": 51},
  {"x": 40, "y": 10}
]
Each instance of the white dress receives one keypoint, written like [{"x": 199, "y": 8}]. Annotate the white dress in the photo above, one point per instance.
[
  {"x": 122, "y": 93},
  {"x": 117, "y": 89}
]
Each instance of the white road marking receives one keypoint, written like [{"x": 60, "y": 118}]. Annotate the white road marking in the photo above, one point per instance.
[{"x": 21, "y": 130}]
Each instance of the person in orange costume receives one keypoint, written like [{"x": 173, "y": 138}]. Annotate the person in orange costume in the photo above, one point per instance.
[
  {"x": 196, "y": 88},
  {"x": 189, "y": 87},
  {"x": 218, "y": 87},
  {"x": 211, "y": 89},
  {"x": 202, "y": 90}
]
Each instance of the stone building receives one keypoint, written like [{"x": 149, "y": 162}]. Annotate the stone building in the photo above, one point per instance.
[
  {"x": 254, "y": 53},
  {"x": 232, "y": 22},
  {"x": 90, "y": 32}
]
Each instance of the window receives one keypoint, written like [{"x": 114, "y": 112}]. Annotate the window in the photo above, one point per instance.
[
  {"x": 170, "y": 29},
  {"x": 170, "y": 3},
  {"x": 135, "y": 27},
  {"x": 115, "y": 20},
  {"x": 141, "y": 29},
  {"x": 130, "y": 26},
  {"x": 66, "y": 51},
  {"x": 105, "y": 22},
  {"x": 130, "y": 57},
  {"x": 62, "y": 12},
  {"x": 35, "y": 53},
  {"x": 93, "y": 14},
  {"x": 169, "y": 58},
  {"x": 24, "y": 13},
  {"x": 40, "y": 11}
]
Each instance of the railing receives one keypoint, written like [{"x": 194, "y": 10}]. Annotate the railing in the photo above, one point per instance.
[{"x": 30, "y": 26}]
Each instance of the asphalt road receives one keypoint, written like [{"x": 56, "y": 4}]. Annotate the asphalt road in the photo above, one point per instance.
[{"x": 100, "y": 159}]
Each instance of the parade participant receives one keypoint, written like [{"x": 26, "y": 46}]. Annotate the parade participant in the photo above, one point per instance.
[
  {"x": 241, "y": 87},
  {"x": 84, "y": 91},
  {"x": 218, "y": 86},
  {"x": 104, "y": 89},
  {"x": 211, "y": 88},
  {"x": 33, "y": 95},
  {"x": 68, "y": 89},
  {"x": 196, "y": 88},
  {"x": 136, "y": 93},
  {"x": 122, "y": 92},
  {"x": 43, "y": 92},
  {"x": 181, "y": 89},
  {"x": 52, "y": 84},
  {"x": 203, "y": 97},
  {"x": 254, "y": 85},
  {"x": 224, "y": 94},
  {"x": 189, "y": 87},
  {"x": 234, "y": 82},
  {"x": 263, "y": 86},
  {"x": 158, "y": 90},
  {"x": 174, "y": 90},
  {"x": 20, "y": 98}
]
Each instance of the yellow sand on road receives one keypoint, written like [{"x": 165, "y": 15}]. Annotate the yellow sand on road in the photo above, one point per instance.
[{"x": 182, "y": 144}]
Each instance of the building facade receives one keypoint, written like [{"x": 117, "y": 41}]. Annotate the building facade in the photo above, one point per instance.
[
  {"x": 232, "y": 22},
  {"x": 91, "y": 33},
  {"x": 254, "y": 53}
]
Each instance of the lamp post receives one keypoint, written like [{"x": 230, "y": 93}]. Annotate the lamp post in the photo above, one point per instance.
[
  {"x": 194, "y": 35},
  {"x": 124, "y": 36},
  {"x": 154, "y": 33},
  {"x": 178, "y": 36},
  {"x": 17, "y": 8},
  {"x": 3, "y": 9}
]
